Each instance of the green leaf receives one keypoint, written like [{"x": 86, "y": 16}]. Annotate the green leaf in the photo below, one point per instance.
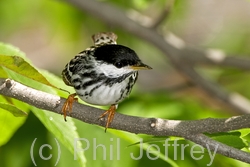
[
  {"x": 8, "y": 123},
  {"x": 12, "y": 109},
  {"x": 65, "y": 132},
  {"x": 6, "y": 49},
  {"x": 20, "y": 66},
  {"x": 244, "y": 132},
  {"x": 232, "y": 133},
  {"x": 145, "y": 146},
  {"x": 15, "y": 60},
  {"x": 3, "y": 74},
  {"x": 231, "y": 140},
  {"x": 19, "y": 69}
]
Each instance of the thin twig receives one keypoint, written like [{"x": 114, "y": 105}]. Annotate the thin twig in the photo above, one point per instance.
[{"x": 163, "y": 16}]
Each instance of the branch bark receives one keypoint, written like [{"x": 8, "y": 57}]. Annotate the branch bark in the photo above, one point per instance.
[{"x": 191, "y": 130}]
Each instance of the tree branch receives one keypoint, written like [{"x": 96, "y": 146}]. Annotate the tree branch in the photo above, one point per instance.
[
  {"x": 163, "y": 16},
  {"x": 182, "y": 56},
  {"x": 190, "y": 130},
  {"x": 218, "y": 147}
]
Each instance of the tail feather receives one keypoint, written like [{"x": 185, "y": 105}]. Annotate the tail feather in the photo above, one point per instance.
[{"x": 104, "y": 38}]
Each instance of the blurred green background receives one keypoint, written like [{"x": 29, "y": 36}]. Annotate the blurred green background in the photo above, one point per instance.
[{"x": 51, "y": 32}]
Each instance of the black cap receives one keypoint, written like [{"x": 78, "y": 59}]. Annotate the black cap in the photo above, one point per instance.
[{"x": 120, "y": 56}]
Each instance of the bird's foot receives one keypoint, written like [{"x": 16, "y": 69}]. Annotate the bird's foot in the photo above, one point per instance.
[
  {"x": 111, "y": 113},
  {"x": 67, "y": 106}
]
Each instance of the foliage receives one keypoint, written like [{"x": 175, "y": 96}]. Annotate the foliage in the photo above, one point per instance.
[{"x": 114, "y": 148}]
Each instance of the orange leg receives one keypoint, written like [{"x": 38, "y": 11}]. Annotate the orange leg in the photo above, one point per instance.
[
  {"x": 111, "y": 113},
  {"x": 67, "y": 106}
]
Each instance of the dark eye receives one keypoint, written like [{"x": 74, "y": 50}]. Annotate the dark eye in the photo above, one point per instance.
[{"x": 118, "y": 65}]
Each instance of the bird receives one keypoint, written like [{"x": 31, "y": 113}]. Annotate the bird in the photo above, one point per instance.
[{"x": 103, "y": 74}]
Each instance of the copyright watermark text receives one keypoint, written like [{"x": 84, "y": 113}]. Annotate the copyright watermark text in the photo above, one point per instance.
[{"x": 112, "y": 151}]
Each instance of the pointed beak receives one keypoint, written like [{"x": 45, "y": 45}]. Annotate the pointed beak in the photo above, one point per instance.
[{"x": 140, "y": 66}]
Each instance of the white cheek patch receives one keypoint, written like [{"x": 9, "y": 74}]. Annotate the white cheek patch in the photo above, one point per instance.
[{"x": 112, "y": 71}]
